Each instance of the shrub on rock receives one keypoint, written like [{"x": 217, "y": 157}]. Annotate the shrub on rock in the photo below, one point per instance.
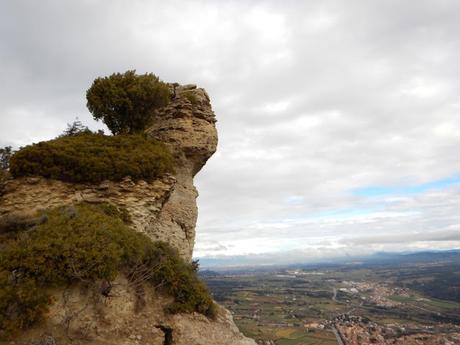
[
  {"x": 87, "y": 243},
  {"x": 89, "y": 157}
]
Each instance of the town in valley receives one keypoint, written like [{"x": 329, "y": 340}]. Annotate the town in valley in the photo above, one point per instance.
[{"x": 386, "y": 299}]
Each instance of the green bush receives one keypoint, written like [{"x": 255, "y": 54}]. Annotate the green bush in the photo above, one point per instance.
[
  {"x": 87, "y": 243},
  {"x": 126, "y": 102},
  {"x": 21, "y": 305},
  {"x": 179, "y": 279},
  {"x": 191, "y": 97},
  {"x": 89, "y": 157}
]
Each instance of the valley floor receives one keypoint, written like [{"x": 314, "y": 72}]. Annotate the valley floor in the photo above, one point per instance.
[{"x": 348, "y": 304}]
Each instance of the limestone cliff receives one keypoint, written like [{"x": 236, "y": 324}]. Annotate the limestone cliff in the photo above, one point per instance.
[
  {"x": 187, "y": 126},
  {"x": 164, "y": 209}
]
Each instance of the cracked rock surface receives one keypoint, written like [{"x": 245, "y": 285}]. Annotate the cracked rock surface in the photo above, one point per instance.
[{"x": 187, "y": 127}]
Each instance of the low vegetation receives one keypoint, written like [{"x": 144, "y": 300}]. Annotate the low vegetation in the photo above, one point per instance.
[
  {"x": 5, "y": 156},
  {"x": 191, "y": 97},
  {"x": 91, "y": 157},
  {"x": 86, "y": 243}
]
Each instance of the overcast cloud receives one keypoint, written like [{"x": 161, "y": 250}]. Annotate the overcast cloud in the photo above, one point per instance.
[{"x": 339, "y": 121}]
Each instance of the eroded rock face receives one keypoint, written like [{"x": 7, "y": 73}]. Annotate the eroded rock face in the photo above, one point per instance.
[
  {"x": 164, "y": 209},
  {"x": 83, "y": 316},
  {"x": 197, "y": 330},
  {"x": 187, "y": 126},
  {"x": 144, "y": 201}
]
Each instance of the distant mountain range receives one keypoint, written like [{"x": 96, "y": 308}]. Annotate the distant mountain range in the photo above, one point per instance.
[{"x": 260, "y": 263}]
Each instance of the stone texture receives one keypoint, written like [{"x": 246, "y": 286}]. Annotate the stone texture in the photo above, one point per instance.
[
  {"x": 144, "y": 201},
  {"x": 197, "y": 330},
  {"x": 82, "y": 316},
  {"x": 187, "y": 126}
]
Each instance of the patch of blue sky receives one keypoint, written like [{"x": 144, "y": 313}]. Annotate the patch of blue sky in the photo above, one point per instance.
[
  {"x": 407, "y": 189},
  {"x": 339, "y": 214},
  {"x": 344, "y": 213},
  {"x": 294, "y": 200}
]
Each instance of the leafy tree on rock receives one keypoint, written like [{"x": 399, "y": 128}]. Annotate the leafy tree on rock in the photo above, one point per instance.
[{"x": 126, "y": 102}]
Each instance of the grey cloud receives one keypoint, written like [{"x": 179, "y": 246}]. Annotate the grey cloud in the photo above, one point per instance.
[
  {"x": 432, "y": 236},
  {"x": 313, "y": 100}
]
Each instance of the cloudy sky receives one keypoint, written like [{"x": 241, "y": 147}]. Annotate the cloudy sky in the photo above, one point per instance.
[{"x": 339, "y": 121}]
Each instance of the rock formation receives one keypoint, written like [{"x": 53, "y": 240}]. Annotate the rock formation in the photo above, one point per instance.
[
  {"x": 187, "y": 126},
  {"x": 164, "y": 209},
  {"x": 85, "y": 317}
]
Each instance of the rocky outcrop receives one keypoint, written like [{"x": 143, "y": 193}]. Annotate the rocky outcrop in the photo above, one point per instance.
[
  {"x": 187, "y": 126},
  {"x": 144, "y": 201},
  {"x": 165, "y": 210},
  {"x": 83, "y": 316}
]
